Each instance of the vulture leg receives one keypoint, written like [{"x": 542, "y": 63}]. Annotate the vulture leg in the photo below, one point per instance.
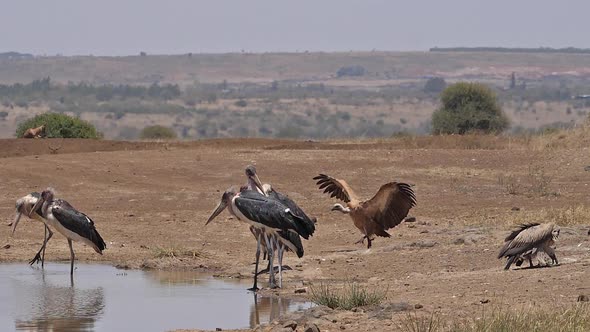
[
  {"x": 369, "y": 240},
  {"x": 362, "y": 240},
  {"x": 530, "y": 260},
  {"x": 72, "y": 257},
  {"x": 551, "y": 254}
]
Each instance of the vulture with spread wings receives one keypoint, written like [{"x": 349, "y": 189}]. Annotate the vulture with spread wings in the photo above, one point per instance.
[{"x": 375, "y": 216}]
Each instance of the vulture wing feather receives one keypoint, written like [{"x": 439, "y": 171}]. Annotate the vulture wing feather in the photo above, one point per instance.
[{"x": 391, "y": 204}]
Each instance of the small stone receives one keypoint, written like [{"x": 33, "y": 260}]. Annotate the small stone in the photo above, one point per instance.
[
  {"x": 9, "y": 224},
  {"x": 587, "y": 168},
  {"x": 410, "y": 219},
  {"x": 515, "y": 208},
  {"x": 312, "y": 328},
  {"x": 424, "y": 231},
  {"x": 342, "y": 327},
  {"x": 411, "y": 226},
  {"x": 291, "y": 324},
  {"x": 6, "y": 246},
  {"x": 583, "y": 298},
  {"x": 418, "y": 306},
  {"x": 300, "y": 290},
  {"x": 484, "y": 301},
  {"x": 218, "y": 329}
]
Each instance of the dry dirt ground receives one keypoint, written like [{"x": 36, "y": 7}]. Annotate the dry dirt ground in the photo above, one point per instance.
[{"x": 150, "y": 202}]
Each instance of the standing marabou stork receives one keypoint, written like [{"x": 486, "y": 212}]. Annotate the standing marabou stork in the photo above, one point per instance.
[
  {"x": 267, "y": 190},
  {"x": 385, "y": 210},
  {"x": 71, "y": 223},
  {"x": 24, "y": 205},
  {"x": 268, "y": 217}
]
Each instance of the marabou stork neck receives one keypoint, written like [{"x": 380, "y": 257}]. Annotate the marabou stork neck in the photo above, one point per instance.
[
  {"x": 375, "y": 216},
  {"x": 24, "y": 205},
  {"x": 286, "y": 240},
  {"x": 71, "y": 223}
]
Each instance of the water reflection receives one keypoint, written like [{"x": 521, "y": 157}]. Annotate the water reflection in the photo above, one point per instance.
[
  {"x": 48, "y": 306},
  {"x": 102, "y": 298}
]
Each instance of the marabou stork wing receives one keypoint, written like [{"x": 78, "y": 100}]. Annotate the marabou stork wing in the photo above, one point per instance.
[
  {"x": 336, "y": 188},
  {"x": 292, "y": 240},
  {"x": 525, "y": 238},
  {"x": 269, "y": 212},
  {"x": 390, "y": 205},
  {"x": 79, "y": 223},
  {"x": 308, "y": 223}
]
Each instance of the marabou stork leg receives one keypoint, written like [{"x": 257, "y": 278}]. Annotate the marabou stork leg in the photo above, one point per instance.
[
  {"x": 255, "y": 286},
  {"x": 280, "y": 249},
  {"x": 72, "y": 257},
  {"x": 40, "y": 256},
  {"x": 270, "y": 249}
]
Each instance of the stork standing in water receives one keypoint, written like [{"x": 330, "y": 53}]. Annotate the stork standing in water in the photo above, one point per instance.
[
  {"x": 254, "y": 183},
  {"x": 375, "y": 216},
  {"x": 71, "y": 223},
  {"x": 24, "y": 205},
  {"x": 268, "y": 217}
]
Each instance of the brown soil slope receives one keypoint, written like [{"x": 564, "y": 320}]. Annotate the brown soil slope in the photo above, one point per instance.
[{"x": 150, "y": 202}]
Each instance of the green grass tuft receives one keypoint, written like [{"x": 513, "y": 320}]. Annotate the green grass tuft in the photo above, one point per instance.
[{"x": 351, "y": 296}]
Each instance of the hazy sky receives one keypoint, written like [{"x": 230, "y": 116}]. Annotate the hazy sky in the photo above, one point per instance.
[{"x": 123, "y": 27}]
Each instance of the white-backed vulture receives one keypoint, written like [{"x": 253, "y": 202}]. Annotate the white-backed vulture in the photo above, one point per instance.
[
  {"x": 375, "y": 216},
  {"x": 527, "y": 240}
]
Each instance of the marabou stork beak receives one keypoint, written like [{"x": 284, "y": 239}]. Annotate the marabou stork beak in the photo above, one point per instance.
[
  {"x": 35, "y": 207},
  {"x": 220, "y": 207},
  {"x": 257, "y": 182},
  {"x": 16, "y": 220}
]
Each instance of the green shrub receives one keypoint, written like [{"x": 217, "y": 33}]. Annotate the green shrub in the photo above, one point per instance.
[
  {"x": 352, "y": 296},
  {"x": 60, "y": 126},
  {"x": 157, "y": 132},
  {"x": 468, "y": 107}
]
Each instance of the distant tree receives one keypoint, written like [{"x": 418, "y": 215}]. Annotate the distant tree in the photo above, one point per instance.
[
  {"x": 512, "y": 81},
  {"x": 157, "y": 132},
  {"x": 468, "y": 107},
  {"x": 355, "y": 70},
  {"x": 142, "y": 53},
  {"x": 60, "y": 125},
  {"x": 241, "y": 103},
  {"x": 435, "y": 85}
]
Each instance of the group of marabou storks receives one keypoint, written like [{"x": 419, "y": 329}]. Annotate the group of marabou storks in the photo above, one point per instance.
[{"x": 278, "y": 223}]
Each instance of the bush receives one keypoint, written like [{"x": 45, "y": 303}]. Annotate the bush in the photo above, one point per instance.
[
  {"x": 60, "y": 126},
  {"x": 355, "y": 70},
  {"x": 468, "y": 107},
  {"x": 157, "y": 132},
  {"x": 435, "y": 85}
]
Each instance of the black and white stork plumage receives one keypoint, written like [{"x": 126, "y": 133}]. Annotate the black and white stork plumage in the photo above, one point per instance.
[
  {"x": 71, "y": 223},
  {"x": 268, "y": 217},
  {"x": 24, "y": 205},
  {"x": 266, "y": 189}
]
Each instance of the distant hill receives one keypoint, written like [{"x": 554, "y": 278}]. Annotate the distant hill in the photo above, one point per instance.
[
  {"x": 15, "y": 55},
  {"x": 573, "y": 50}
]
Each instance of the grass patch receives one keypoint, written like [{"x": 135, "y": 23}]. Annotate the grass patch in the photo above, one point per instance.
[
  {"x": 571, "y": 319},
  {"x": 160, "y": 252},
  {"x": 572, "y": 215},
  {"x": 351, "y": 296}
]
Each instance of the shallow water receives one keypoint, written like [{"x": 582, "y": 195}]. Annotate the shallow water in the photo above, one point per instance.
[{"x": 103, "y": 298}]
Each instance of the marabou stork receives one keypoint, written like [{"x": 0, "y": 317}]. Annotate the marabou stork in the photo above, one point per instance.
[
  {"x": 71, "y": 223},
  {"x": 268, "y": 217},
  {"x": 24, "y": 205},
  {"x": 267, "y": 190},
  {"x": 375, "y": 216}
]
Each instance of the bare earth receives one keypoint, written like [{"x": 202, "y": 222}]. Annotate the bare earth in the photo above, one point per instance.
[{"x": 150, "y": 202}]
